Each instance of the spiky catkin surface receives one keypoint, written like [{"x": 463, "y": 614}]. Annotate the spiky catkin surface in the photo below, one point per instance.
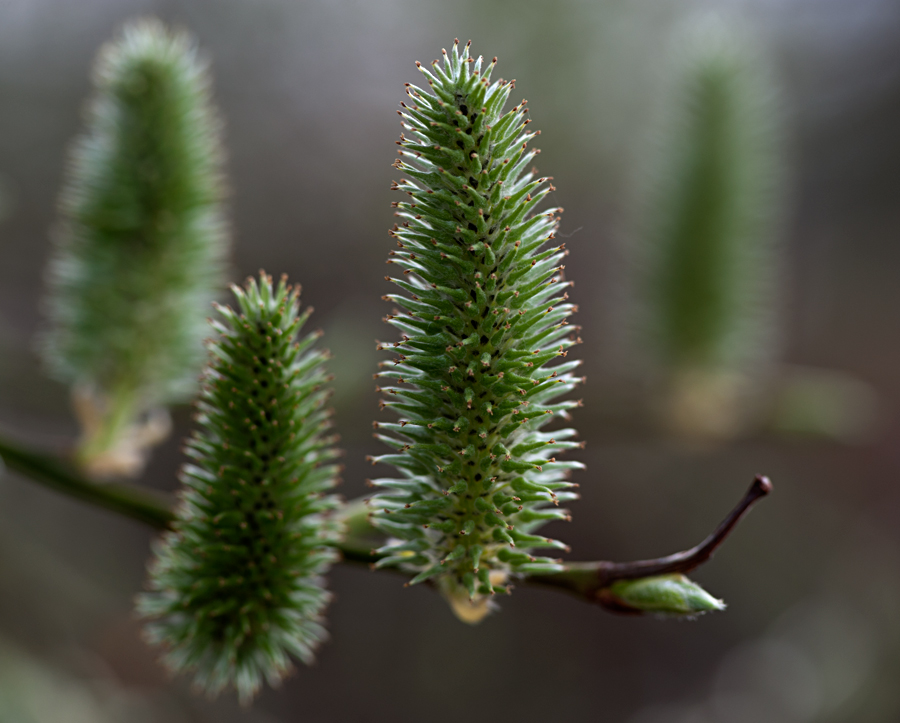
[
  {"x": 141, "y": 252},
  {"x": 483, "y": 323},
  {"x": 236, "y": 587}
]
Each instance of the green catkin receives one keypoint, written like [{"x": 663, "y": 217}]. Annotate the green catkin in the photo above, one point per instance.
[
  {"x": 709, "y": 273},
  {"x": 483, "y": 320},
  {"x": 141, "y": 252},
  {"x": 236, "y": 587}
]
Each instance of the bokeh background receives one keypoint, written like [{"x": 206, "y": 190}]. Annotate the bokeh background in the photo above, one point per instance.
[{"x": 308, "y": 90}]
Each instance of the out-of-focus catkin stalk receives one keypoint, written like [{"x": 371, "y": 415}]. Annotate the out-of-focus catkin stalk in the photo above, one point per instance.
[
  {"x": 140, "y": 253},
  {"x": 709, "y": 257}
]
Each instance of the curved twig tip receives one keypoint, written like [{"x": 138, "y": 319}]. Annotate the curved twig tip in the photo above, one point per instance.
[
  {"x": 590, "y": 579},
  {"x": 762, "y": 485}
]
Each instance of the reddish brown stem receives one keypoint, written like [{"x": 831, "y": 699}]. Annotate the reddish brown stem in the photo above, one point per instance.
[{"x": 590, "y": 579}]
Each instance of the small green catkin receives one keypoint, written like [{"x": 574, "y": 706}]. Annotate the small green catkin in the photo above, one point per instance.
[
  {"x": 709, "y": 273},
  {"x": 141, "y": 251},
  {"x": 236, "y": 587},
  {"x": 483, "y": 320}
]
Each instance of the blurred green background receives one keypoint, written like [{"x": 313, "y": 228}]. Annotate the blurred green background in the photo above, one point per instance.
[{"x": 308, "y": 91}]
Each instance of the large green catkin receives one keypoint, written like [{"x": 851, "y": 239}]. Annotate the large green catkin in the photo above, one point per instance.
[
  {"x": 710, "y": 258},
  {"x": 236, "y": 587},
  {"x": 141, "y": 251},
  {"x": 483, "y": 322}
]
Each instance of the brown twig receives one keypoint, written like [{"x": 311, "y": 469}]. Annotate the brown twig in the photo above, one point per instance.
[
  {"x": 588, "y": 580},
  {"x": 591, "y": 580},
  {"x": 147, "y": 506}
]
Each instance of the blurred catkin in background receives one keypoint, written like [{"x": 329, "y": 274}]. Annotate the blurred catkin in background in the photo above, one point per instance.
[
  {"x": 140, "y": 253},
  {"x": 709, "y": 258}
]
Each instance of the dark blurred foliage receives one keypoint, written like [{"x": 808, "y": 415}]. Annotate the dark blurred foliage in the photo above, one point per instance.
[{"x": 308, "y": 92}]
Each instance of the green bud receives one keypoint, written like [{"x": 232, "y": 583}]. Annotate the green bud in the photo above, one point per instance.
[{"x": 663, "y": 595}]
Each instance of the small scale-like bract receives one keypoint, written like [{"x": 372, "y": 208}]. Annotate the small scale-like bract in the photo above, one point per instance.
[
  {"x": 709, "y": 258},
  {"x": 236, "y": 587},
  {"x": 673, "y": 595},
  {"x": 140, "y": 254},
  {"x": 483, "y": 329}
]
